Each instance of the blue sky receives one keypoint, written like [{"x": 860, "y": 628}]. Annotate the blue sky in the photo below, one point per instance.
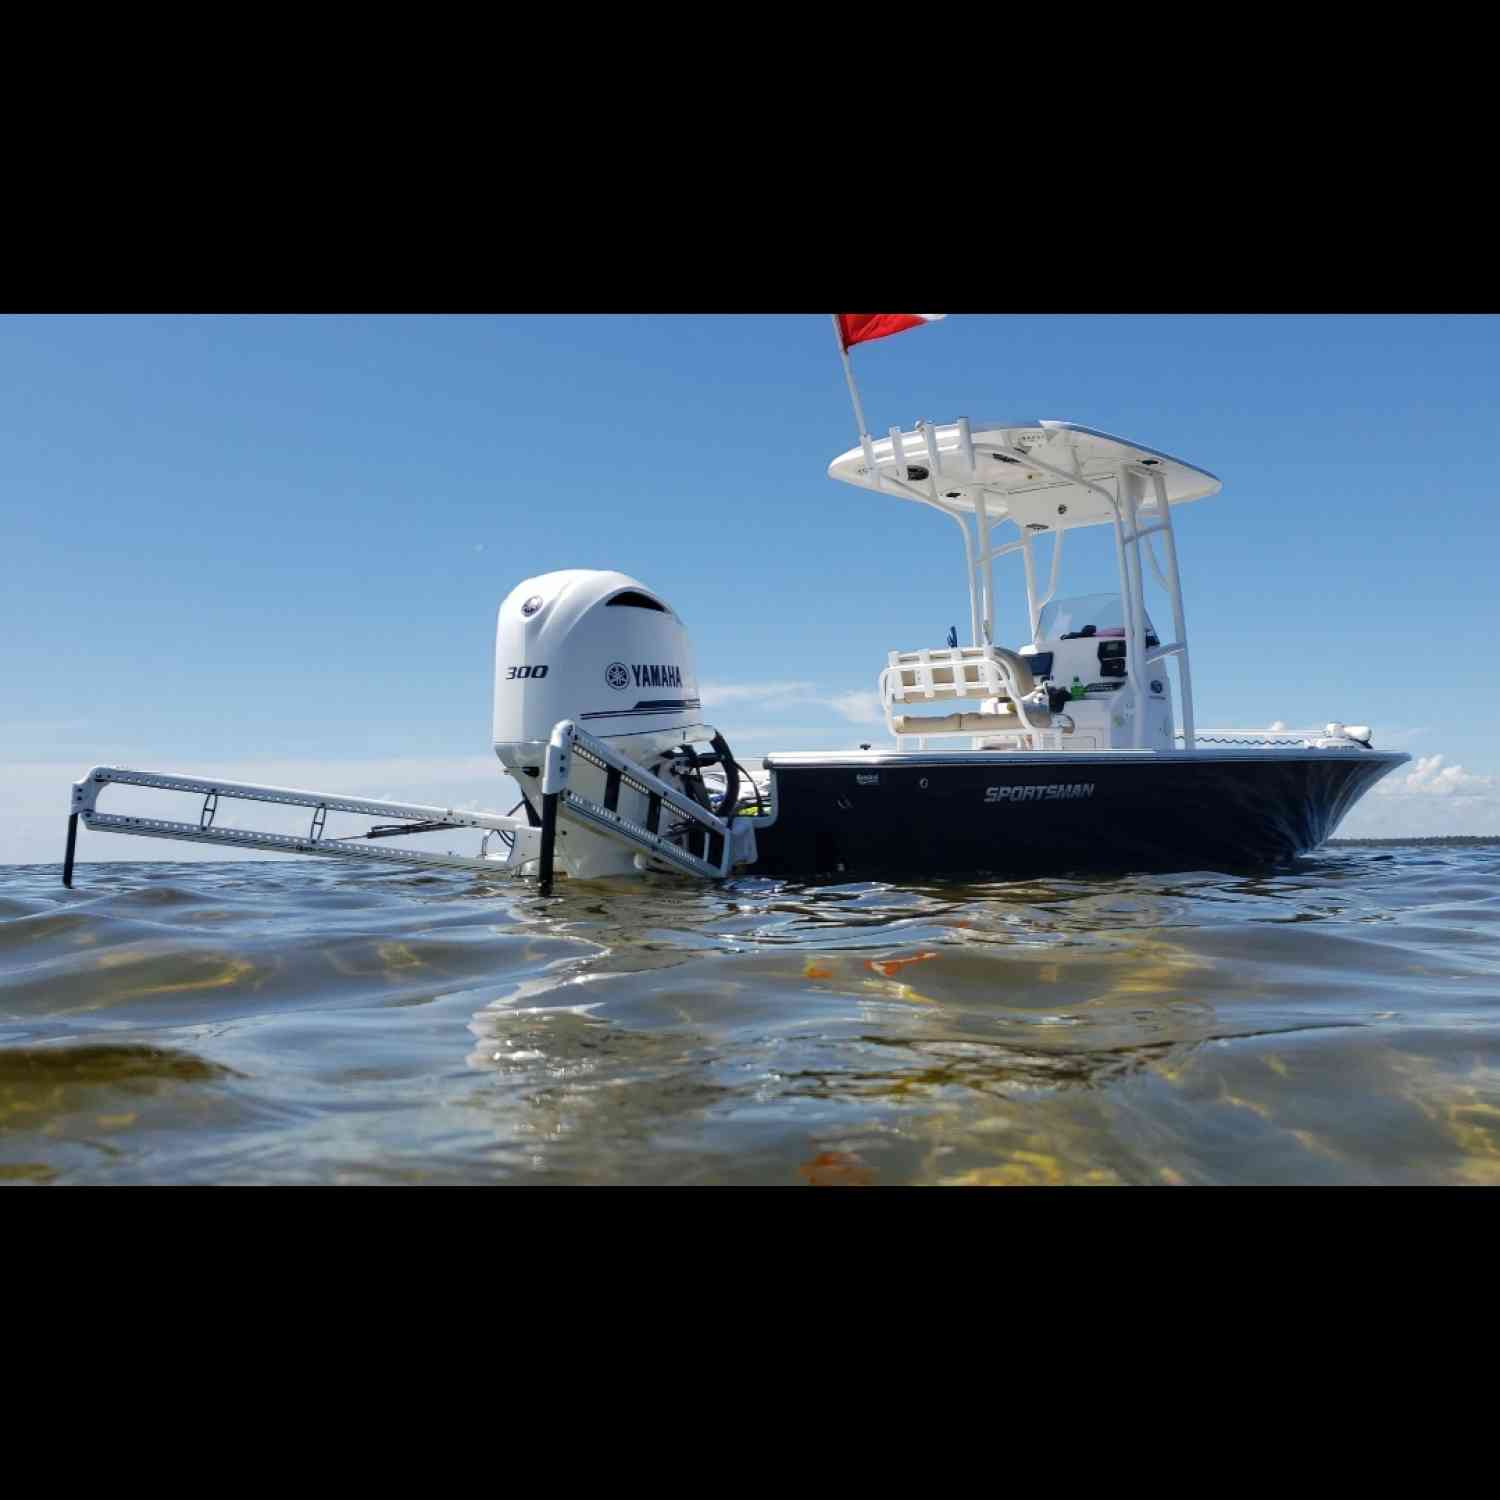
[{"x": 273, "y": 547}]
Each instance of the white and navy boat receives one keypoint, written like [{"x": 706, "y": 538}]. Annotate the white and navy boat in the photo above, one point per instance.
[{"x": 1068, "y": 751}]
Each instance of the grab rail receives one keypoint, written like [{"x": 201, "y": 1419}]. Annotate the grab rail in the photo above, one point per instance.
[{"x": 561, "y": 799}]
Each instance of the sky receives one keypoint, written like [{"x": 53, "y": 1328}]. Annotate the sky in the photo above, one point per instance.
[{"x": 272, "y": 548}]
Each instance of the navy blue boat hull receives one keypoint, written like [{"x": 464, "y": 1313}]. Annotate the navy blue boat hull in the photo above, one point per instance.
[{"x": 1022, "y": 814}]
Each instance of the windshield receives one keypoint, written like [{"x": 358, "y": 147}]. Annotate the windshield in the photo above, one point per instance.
[{"x": 1104, "y": 612}]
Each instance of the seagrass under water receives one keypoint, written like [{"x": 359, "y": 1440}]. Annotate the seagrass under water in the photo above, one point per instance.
[{"x": 1336, "y": 1021}]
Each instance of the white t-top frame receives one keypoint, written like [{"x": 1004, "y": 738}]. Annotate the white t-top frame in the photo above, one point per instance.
[{"x": 1047, "y": 477}]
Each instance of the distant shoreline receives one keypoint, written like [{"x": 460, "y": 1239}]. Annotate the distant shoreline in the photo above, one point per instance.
[{"x": 1441, "y": 841}]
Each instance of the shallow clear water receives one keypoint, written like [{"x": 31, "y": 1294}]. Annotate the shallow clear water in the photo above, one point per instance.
[{"x": 290, "y": 1022}]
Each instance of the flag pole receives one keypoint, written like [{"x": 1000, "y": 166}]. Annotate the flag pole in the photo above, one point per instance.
[{"x": 859, "y": 411}]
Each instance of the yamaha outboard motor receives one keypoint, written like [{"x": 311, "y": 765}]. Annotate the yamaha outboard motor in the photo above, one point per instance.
[{"x": 603, "y": 650}]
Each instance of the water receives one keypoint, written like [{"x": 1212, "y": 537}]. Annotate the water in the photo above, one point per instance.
[{"x": 303, "y": 1022}]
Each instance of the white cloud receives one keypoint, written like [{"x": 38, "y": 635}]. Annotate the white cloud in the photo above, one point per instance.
[
  {"x": 1421, "y": 817},
  {"x": 717, "y": 694},
  {"x": 753, "y": 740},
  {"x": 1429, "y": 799},
  {"x": 787, "y": 736},
  {"x": 1431, "y": 778},
  {"x": 859, "y": 707}
]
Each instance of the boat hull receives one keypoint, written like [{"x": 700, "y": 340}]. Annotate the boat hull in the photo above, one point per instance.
[{"x": 1026, "y": 814}]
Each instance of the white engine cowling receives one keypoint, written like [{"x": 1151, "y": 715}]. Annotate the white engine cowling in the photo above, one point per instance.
[{"x": 599, "y": 648}]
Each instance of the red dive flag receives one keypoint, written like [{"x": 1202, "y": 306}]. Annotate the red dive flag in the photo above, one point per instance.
[{"x": 860, "y": 328}]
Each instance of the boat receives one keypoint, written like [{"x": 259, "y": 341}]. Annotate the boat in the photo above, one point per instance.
[
  {"x": 1076, "y": 759},
  {"x": 1069, "y": 751}
]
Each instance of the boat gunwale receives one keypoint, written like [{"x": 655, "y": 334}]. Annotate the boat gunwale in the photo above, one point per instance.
[{"x": 794, "y": 759}]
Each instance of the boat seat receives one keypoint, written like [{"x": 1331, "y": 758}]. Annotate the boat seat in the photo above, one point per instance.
[
  {"x": 955, "y": 672},
  {"x": 969, "y": 723}
]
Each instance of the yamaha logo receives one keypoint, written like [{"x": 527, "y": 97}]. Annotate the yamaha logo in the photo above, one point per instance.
[
  {"x": 531, "y": 606},
  {"x": 617, "y": 675}
]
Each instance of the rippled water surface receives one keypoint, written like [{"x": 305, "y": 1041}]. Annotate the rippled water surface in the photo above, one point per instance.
[{"x": 303, "y": 1022}]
